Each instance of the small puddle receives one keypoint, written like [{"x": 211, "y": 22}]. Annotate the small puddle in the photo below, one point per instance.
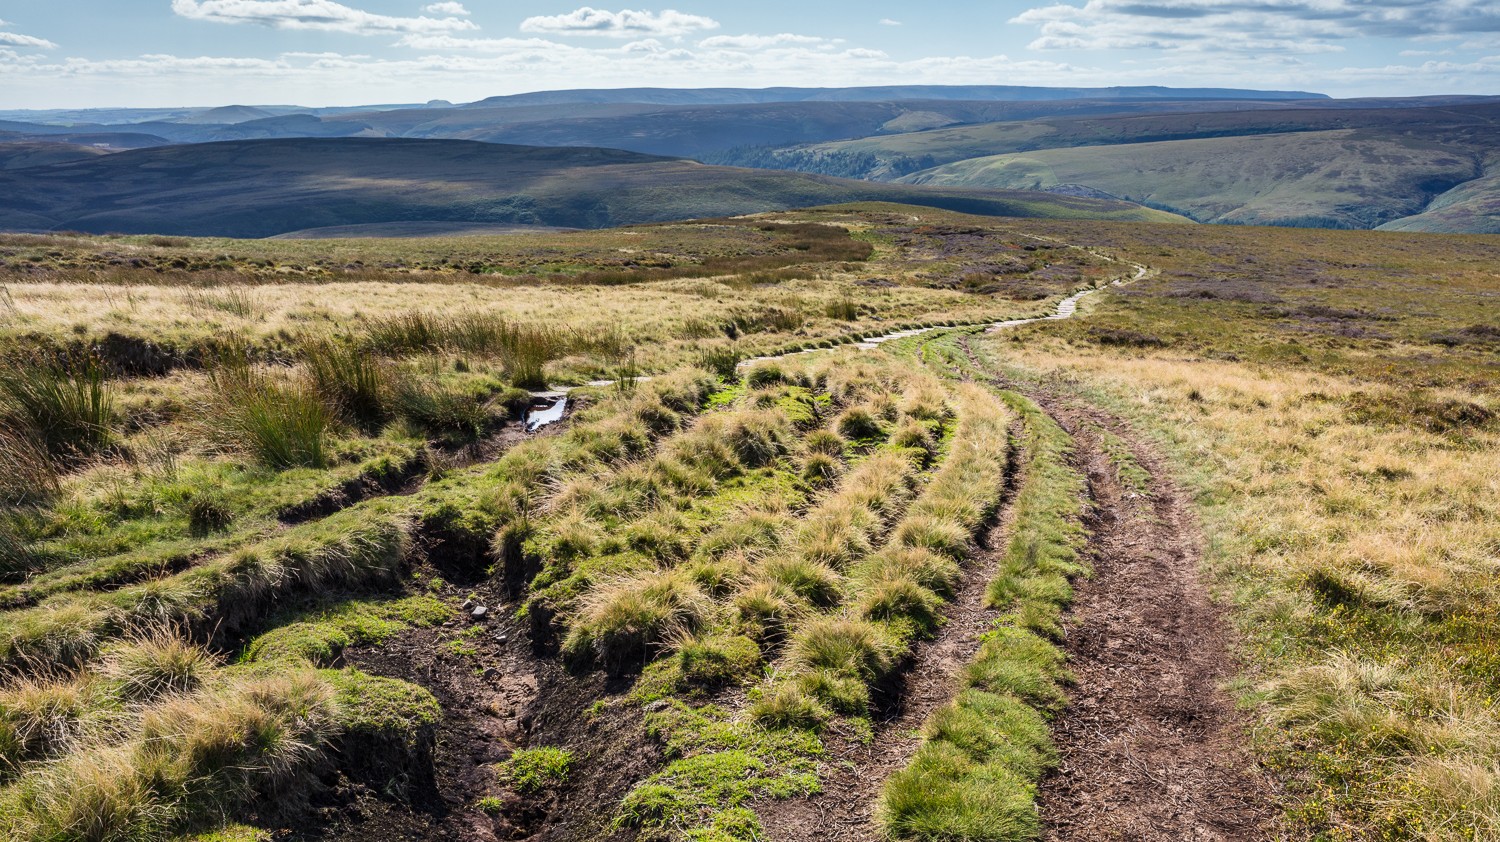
[{"x": 547, "y": 408}]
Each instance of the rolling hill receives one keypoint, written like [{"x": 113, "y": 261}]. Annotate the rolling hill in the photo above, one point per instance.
[
  {"x": 879, "y": 93},
  {"x": 701, "y": 131},
  {"x": 890, "y": 156},
  {"x": 264, "y": 188},
  {"x": 20, "y": 154},
  {"x": 1472, "y": 207},
  {"x": 1346, "y": 178}
]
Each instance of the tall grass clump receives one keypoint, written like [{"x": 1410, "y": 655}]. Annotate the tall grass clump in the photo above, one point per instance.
[
  {"x": 723, "y": 360},
  {"x": 355, "y": 384},
  {"x": 440, "y": 408},
  {"x": 149, "y": 666},
  {"x": 279, "y": 419},
  {"x": 185, "y": 760},
  {"x": 625, "y": 623},
  {"x": 67, "y": 407},
  {"x": 28, "y": 474},
  {"x": 844, "y": 309},
  {"x": 524, "y": 350}
]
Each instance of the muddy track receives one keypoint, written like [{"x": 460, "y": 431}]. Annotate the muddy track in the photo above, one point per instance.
[
  {"x": 1151, "y": 746},
  {"x": 854, "y": 772},
  {"x": 498, "y": 695}
]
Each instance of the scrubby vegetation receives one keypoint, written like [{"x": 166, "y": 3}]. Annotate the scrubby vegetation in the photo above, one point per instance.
[{"x": 300, "y": 547}]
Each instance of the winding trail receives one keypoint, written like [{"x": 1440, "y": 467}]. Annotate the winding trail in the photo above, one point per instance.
[{"x": 1151, "y": 747}]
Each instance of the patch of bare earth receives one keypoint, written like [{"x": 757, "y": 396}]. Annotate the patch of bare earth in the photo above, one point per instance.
[
  {"x": 500, "y": 693},
  {"x": 854, "y": 771},
  {"x": 1151, "y": 746}
]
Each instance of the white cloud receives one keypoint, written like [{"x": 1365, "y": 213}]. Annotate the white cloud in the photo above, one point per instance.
[
  {"x": 889, "y": 22},
  {"x": 761, "y": 42},
  {"x": 1260, "y": 26},
  {"x": 446, "y": 9},
  {"x": 444, "y": 43},
  {"x": 452, "y": 66},
  {"x": 622, "y": 24},
  {"x": 324, "y": 15},
  {"x": 15, "y": 39}
]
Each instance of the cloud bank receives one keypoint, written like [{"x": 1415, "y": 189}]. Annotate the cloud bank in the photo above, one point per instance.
[
  {"x": 1263, "y": 26},
  {"x": 323, "y": 15},
  {"x": 622, "y": 24}
]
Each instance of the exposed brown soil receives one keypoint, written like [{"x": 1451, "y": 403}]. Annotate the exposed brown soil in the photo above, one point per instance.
[
  {"x": 497, "y": 696},
  {"x": 500, "y": 690},
  {"x": 1151, "y": 746},
  {"x": 854, "y": 772}
]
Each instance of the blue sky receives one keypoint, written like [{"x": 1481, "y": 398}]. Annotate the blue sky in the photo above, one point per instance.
[{"x": 86, "y": 53}]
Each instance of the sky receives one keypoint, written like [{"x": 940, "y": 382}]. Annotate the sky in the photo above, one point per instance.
[{"x": 173, "y": 53}]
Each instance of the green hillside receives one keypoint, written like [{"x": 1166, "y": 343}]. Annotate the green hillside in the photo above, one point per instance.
[
  {"x": 893, "y": 155},
  {"x": 1352, "y": 178},
  {"x": 1472, "y": 207},
  {"x": 264, "y": 188}
]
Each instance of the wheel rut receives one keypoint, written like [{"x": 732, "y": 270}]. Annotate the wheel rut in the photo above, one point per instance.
[
  {"x": 855, "y": 771},
  {"x": 1151, "y": 746}
]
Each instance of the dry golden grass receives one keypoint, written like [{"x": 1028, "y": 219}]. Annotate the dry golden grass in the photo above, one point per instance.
[{"x": 1360, "y": 549}]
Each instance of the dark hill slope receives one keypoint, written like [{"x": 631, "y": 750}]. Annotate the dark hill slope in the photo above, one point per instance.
[
  {"x": 263, "y": 188},
  {"x": 19, "y": 154}
]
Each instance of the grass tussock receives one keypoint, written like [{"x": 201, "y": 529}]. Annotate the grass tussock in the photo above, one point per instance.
[
  {"x": 278, "y": 418},
  {"x": 357, "y": 384},
  {"x": 147, "y": 667},
  {"x": 524, "y": 350},
  {"x": 159, "y": 739},
  {"x": 66, "y": 407},
  {"x": 184, "y": 759},
  {"x": 626, "y": 623}
]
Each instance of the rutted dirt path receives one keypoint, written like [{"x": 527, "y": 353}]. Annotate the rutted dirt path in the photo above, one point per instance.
[
  {"x": 1151, "y": 746},
  {"x": 855, "y": 772}
]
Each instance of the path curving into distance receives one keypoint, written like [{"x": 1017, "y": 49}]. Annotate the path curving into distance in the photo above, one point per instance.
[{"x": 549, "y": 407}]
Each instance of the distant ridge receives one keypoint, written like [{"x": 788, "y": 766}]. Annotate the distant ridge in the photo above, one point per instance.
[
  {"x": 226, "y": 115},
  {"x": 1005, "y": 93},
  {"x": 261, "y": 188}
]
